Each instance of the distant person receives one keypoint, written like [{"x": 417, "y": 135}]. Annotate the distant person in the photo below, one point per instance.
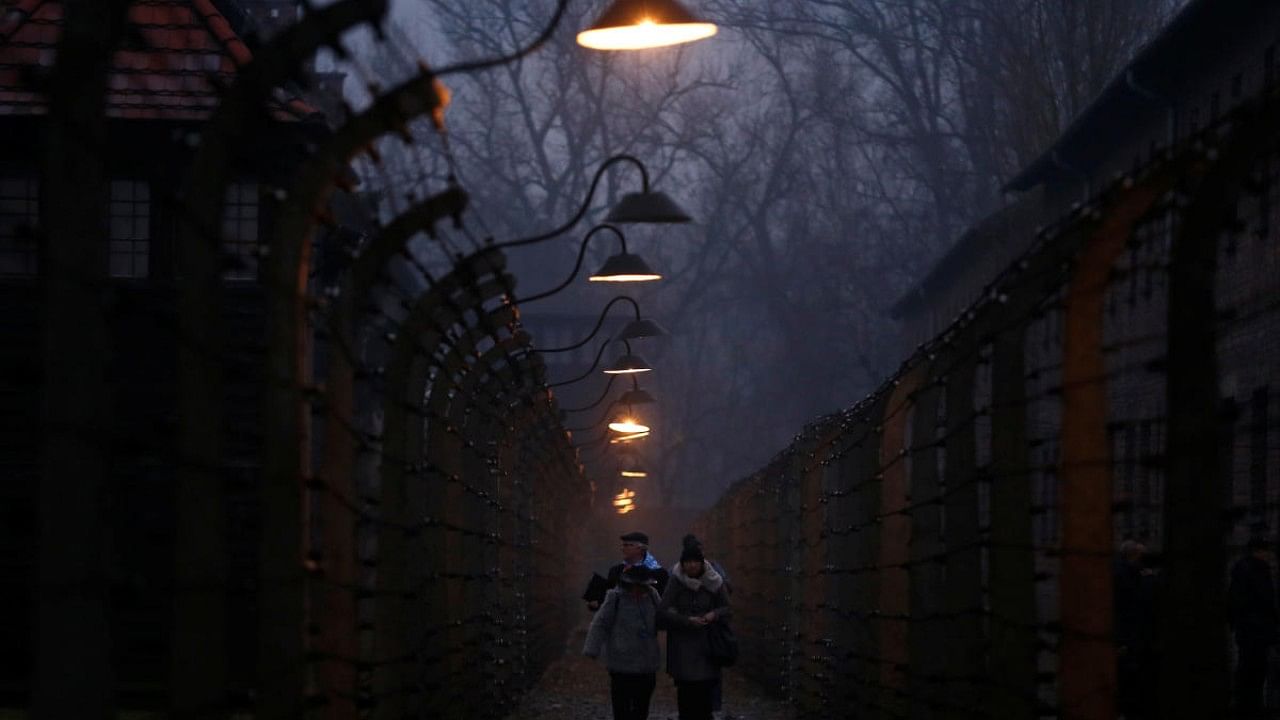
[
  {"x": 635, "y": 551},
  {"x": 1251, "y": 602},
  {"x": 625, "y": 630},
  {"x": 694, "y": 599},
  {"x": 1135, "y": 632},
  {"x": 717, "y": 690}
]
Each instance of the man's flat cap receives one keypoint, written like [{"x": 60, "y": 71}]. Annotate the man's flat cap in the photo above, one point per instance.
[{"x": 636, "y": 537}]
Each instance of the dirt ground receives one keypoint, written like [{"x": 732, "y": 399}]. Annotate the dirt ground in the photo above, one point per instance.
[{"x": 577, "y": 688}]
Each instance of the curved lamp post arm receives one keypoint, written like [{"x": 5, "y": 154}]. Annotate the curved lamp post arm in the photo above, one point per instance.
[
  {"x": 599, "y": 323},
  {"x": 577, "y": 266},
  {"x": 586, "y": 204},
  {"x": 608, "y": 409},
  {"x": 594, "y": 364},
  {"x": 592, "y": 441},
  {"x": 608, "y": 386},
  {"x": 473, "y": 65}
]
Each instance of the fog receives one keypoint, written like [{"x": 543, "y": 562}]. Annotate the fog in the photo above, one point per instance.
[{"x": 828, "y": 151}]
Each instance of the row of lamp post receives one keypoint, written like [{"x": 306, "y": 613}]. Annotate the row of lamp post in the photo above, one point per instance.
[{"x": 624, "y": 25}]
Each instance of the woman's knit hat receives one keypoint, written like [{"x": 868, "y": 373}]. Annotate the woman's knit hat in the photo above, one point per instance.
[{"x": 692, "y": 552}]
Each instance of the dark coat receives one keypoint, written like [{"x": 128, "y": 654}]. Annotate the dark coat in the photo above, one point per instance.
[
  {"x": 625, "y": 629},
  {"x": 1251, "y": 600},
  {"x": 1134, "y": 609},
  {"x": 596, "y": 590},
  {"x": 688, "y": 659}
]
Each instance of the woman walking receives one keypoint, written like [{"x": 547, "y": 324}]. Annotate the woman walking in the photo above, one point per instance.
[
  {"x": 695, "y": 599},
  {"x": 625, "y": 629}
]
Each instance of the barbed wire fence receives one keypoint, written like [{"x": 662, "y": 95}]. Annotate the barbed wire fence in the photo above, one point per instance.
[
  {"x": 945, "y": 548},
  {"x": 372, "y": 494}
]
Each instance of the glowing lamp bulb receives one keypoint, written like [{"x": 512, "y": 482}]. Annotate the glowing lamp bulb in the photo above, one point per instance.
[
  {"x": 629, "y": 438},
  {"x": 624, "y": 278},
  {"x": 627, "y": 426},
  {"x": 641, "y": 24}
]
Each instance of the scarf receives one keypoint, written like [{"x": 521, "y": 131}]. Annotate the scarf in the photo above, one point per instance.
[
  {"x": 649, "y": 562},
  {"x": 710, "y": 579}
]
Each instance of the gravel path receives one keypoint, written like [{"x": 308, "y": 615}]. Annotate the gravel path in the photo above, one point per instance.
[{"x": 577, "y": 688}]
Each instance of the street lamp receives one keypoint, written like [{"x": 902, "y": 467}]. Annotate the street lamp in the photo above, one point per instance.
[
  {"x": 640, "y": 24},
  {"x": 609, "y": 410},
  {"x": 634, "y": 396},
  {"x": 625, "y": 501},
  {"x": 638, "y": 328},
  {"x": 647, "y": 206},
  {"x": 631, "y": 467},
  {"x": 628, "y": 364},
  {"x": 620, "y": 268},
  {"x": 628, "y": 438},
  {"x": 628, "y": 425}
]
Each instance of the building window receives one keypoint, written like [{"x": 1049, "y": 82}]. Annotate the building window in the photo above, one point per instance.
[
  {"x": 240, "y": 232},
  {"x": 129, "y": 250},
  {"x": 18, "y": 215}
]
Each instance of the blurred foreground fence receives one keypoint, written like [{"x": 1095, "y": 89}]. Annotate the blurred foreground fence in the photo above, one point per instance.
[
  {"x": 315, "y": 473},
  {"x": 945, "y": 548}
]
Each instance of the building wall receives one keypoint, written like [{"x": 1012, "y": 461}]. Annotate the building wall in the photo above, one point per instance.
[{"x": 1196, "y": 85}]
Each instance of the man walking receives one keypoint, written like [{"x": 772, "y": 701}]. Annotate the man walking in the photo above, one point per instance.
[
  {"x": 635, "y": 552},
  {"x": 1251, "y": 601},
  {"x": 1134, "y": 632}
]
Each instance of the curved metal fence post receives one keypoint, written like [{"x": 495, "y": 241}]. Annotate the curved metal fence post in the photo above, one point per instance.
[
  {"x": 282, "y": 604},
  {"x": 1087, "y": 675},
  {"x": 73, "y": 671},
  {"x": 1194, "y": 663},
  {"x": 927, "y": 575},
  {"x": 894, "y": 603},
  {"x": 1012, "y": 576}
]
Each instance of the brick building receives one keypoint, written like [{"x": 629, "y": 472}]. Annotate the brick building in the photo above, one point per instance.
[
  {"x": 162, "y": 86},
  {"x": 1212, "y": 57}
]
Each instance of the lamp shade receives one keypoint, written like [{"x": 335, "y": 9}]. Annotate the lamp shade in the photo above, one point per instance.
[
  {"x": 628, "y": 365},
  {"x": 647, "y": 207},
  {"x": 625, "y": 267},
  {"x": 628, "y": 438},
  {"x": 641, "y": 328},
  {"x": 631, "y": 468},
  {"x": 635, "y": 397},
  {"x": 640, "y": 24}
]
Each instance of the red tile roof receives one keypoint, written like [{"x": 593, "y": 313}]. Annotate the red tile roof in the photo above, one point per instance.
[{"x": 188, "y": 50}]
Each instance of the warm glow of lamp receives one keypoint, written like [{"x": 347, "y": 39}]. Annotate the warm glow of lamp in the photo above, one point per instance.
[
  {"x": 625, "y": 267},
  {"x": 625, "y": 501},
  {"x": 633, "y": 474},
  {"x": 641, "y": 24},
  {"x": 628, "y": 365},
  {"x": 629, "y": 438},
  {"x": 628, "y": 426}
]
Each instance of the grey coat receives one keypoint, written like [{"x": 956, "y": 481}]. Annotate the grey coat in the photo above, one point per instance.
[
  {"x": 687, "y": 655},
  {"x": 626, "y": 629}
]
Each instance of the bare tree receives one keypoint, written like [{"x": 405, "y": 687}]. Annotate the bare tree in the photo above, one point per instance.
[{"x": 829, "y": 148}]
